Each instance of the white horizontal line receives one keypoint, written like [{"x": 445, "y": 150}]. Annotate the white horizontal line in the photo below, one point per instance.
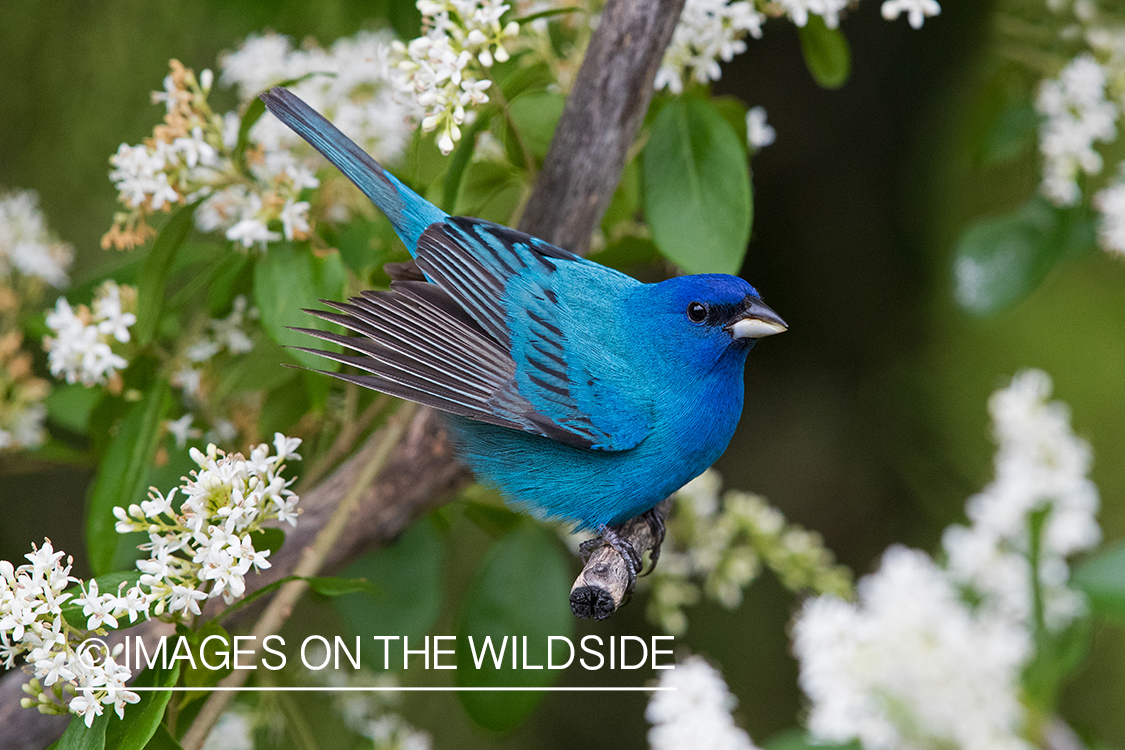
[{"x": 451, "y": 689}]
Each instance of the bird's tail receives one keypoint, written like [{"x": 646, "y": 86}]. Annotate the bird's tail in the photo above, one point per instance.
[{"x": 409, "y": 212}]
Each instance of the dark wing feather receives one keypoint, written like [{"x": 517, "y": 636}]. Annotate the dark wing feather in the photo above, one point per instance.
[{"x": 417, "y": 344}]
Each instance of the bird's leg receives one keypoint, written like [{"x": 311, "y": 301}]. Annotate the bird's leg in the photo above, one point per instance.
[
  {"x": 611, "y": 538},
  {"x": 655, "y": 520}
]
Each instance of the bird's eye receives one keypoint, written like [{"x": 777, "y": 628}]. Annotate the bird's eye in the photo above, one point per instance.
[{"x": 697, "y": 312}]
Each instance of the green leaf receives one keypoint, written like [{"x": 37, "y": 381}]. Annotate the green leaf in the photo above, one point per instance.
[
  {"x": 1102, "y": 579},
  {"x": 78, "y": 737},
  {"x": 161, "y": 740},
  {"x": 407, "y": 592},
  {"x": 203, "y": 654},
  {"x": 154, "y": 273},
  {"x": 626, "y": 200},
  {"x": 69, "y": 406},
  {"x": 256, "y": 370},
  {"x": 826, "y": 53},
  {"x": 267, "y": 589},
  {"x": 799, "y": 739},
  {"x": 536, "y": 114},
  {"x": 626, "y": 252},
  {"x": 123, "y": 475},
  {"x": 332, "y": 586},
  {"x": 451, "y": 185},
  {"x": 290, "y": 277},
  {"x": 519, "y": 594},
  {"x": 734, "y": 112},
  {"x": 491, "y": 519},
  {"x": 697, "y": 188},
  {"x": 284, "y": 405},
  {"x": 1000, "y": 261},
  {"x": 365, "y": 245},
  {"x": 1011, "y": 133},
  {"x": 142, "y": 719},
  {"x": 269, "y": 539},
  {"x": 232, "y": 277},
  {"x": 489, "y": 191},
  {"x": 546, "y": 14},
  {"x": 107, "y": 584}
]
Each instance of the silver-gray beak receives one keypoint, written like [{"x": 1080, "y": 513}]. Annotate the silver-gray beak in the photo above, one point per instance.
[{"x": 756, "y": 321}]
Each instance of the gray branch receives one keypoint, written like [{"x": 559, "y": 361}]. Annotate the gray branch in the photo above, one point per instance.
[
  {"x": 600, "y": 122},
  {"x": 610, "y": 97}
]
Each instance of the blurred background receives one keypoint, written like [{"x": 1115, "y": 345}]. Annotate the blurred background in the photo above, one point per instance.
[{"x": 867, "y": 422}]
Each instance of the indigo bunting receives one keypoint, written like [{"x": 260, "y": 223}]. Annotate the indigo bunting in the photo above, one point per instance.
[{"x": 579, "y": 392}]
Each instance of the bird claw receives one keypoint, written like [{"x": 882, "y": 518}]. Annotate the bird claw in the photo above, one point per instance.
[{"x": 655, "y": 520}]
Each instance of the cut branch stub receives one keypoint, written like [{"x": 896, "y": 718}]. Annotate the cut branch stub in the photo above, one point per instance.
[{"x": 603, "y": 585}]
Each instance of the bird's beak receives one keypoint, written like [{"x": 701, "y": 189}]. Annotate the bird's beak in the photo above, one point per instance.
[{"x": 757, "y": 320}]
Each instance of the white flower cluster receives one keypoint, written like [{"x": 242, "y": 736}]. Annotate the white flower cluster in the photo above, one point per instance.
[
  {"x": 696, "y": 712},
  {"x": 910, "y": 666},
  {"x": 204, "y": 549},
  {"x": 350, "y": 83},
  {"x": 223, "y": 334},
  {"x": 1041, "y": 468},
  {"x": 917, "y": 11},
  {"x": 913, "y": 664},
  {"x": 759, "y": 133},
  {"x": 717, "y": 547},
  {"x": 81, "y": 349},
  {"x": 708, "y": 31},
  {"x": 33, "y": 629},
  {"x": 26, "y": 245},
  {"x": 1076, "y": 115},
  {"x": 445, "y": 70},
  {"x": 714, "y": 30},
  {"x": 374, "y": 714},
  {"x": 192, "y": 157}
]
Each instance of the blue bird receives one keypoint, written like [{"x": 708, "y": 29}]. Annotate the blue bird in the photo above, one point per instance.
[{"x": 579, "y": 392}]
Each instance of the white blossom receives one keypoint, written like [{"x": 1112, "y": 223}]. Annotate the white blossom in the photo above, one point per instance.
[
  {"x": 911, "y": 665},
  {"x": 708, "y": 31},
  {"x": 917, "y": 11},
  {"x": 444, "y": 71},
  {"x": 695, "y": 713},
  {"x": 1110, "y": 202},
  {"x": 181, "y": 430},
  {"x": 759, "y": 134},
  {"x": 1076, "y": 115},
  {"x": 799, "y": 10},
  {"x": 27, "y": 246},
  {"x": 1041, "y": 466},
  {"x": 81, "y": 349}
]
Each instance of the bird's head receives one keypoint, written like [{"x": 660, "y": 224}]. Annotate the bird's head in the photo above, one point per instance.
[{"x": 710, "y": 316}]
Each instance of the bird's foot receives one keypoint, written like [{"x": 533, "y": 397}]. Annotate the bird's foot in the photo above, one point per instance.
[
  {"x": 608, "y": 537},
  {"x": 655, "y": 520}
]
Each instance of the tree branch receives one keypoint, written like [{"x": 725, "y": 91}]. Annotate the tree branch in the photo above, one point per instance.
[
  {"x": 610, "y": 97},
  {"x": 602, "y": 586},
  {"x": 599, "y": 123}
]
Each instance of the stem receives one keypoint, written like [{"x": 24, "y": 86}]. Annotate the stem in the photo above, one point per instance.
[
  {"x": 528, "y": 157},
  {"x": 311, "y": 561},
  {"x": 345, "y": 441}
]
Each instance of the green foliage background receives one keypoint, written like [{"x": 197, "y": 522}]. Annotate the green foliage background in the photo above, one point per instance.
[{"x": 866, "y": 421}]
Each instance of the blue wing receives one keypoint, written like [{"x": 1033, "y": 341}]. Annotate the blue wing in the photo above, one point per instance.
[
  {"x": 538, "y": 301},
  {"x": 490, "y": 339}
]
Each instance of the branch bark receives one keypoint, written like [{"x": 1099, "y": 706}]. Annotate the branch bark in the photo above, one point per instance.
[
  {"x": 602, "y": 587},
  {"x": 610, "y": 97},
  {"x": 599, "y": 123}
]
